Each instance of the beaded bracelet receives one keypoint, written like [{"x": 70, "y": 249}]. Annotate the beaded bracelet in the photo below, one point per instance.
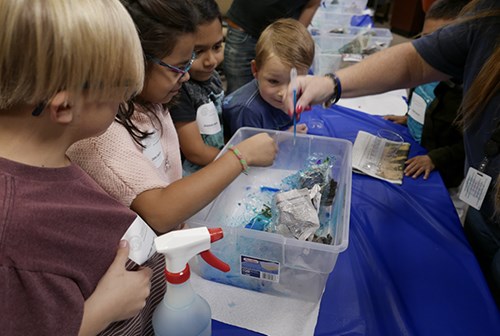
[{"x": 243, "y": 162}]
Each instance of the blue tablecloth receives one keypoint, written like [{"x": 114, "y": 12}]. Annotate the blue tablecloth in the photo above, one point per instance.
[{"x": 408, "y": 269}]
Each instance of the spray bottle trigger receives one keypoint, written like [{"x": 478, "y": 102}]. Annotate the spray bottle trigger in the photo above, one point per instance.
[{"x": 213, "y": 261}]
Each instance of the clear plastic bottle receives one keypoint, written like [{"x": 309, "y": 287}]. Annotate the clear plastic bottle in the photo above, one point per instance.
[{"x": 182, "y": 312}]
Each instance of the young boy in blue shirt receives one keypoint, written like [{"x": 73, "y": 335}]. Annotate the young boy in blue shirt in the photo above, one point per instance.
[{"x": 283, "y": 45}]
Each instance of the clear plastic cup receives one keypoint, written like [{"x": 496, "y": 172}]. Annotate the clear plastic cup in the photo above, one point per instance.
[{"x": 393, "y": 141}]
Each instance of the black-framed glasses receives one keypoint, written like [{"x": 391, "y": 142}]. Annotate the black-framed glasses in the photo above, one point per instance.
[{"x": 180, "y": 70}]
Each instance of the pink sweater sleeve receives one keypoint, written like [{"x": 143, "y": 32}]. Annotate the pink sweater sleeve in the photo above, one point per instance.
[{"x": 120, "y": 166}]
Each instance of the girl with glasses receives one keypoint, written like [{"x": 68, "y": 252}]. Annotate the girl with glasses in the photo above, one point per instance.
[{"x": 138, "y": 160}]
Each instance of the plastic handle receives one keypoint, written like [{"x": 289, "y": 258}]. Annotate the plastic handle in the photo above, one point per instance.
[{"x": 213, "y": 261}]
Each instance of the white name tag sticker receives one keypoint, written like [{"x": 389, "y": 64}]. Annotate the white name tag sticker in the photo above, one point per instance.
[
  {"x": 140, "y": 238},
  {"x": 418, "y": 106},
  {"x": 207, "y": 119},
  {"x": 153, "y": 149},
  {"x": 474, "y": 188}
]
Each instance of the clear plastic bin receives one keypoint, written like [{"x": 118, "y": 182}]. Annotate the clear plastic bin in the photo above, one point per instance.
[
  {"x": 269, "y": 262},
  {"x": 329, "y": 40},
  {"x": 325, "y": 62},
  {"x": 344, "y": 6},
  {"x": 331, "y": 19},
  {"x": 333, "y": 51}
]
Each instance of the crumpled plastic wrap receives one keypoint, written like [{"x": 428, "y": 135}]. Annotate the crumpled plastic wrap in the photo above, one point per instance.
[{"x": 296, "y": 215}]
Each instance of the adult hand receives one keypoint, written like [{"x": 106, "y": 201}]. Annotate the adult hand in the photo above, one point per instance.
[
  {"x": 311, "y": 90},
  {"x": 418, "y": 165},
  {"x": 401, "y": 120},
  {"x": 259, "y": 150}
]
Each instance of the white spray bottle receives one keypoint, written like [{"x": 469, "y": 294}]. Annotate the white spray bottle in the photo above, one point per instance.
[{"x": 182, "y": 312}]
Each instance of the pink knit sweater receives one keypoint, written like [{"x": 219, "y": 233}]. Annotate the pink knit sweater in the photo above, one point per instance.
[{"x": 123, "y": 168}]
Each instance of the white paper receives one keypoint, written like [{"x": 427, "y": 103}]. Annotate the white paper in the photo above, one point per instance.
[
  {"x": 267, "y": 314},
  {"x": 392, "y": 102},
  {"x": 141, "y": 241}
]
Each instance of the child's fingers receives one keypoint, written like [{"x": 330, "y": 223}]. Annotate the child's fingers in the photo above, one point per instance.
[
  {"x": 426, "y": 174},
  {"x": 121, "y": 255}
]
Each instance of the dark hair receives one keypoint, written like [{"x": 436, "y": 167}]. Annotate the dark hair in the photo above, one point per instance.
[
  {"x": 159, "y": 23},
  {"x": 445, "y": 9},
  {"x": 208, "y": 10}
]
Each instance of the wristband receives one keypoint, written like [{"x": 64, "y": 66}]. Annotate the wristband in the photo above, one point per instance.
[
  {"x": 337, "y": 91},
  {"x": 243, "y": 162}
]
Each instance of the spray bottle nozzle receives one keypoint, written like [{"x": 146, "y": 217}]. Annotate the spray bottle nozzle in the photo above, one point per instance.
[
  {"x": 215, "y": 234},
  {"x": 181, "y": 245}
]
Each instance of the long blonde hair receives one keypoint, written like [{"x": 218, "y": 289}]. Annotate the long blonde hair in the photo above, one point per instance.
[{"x": 53, "y": 45}]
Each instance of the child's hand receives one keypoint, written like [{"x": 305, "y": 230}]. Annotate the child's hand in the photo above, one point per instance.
[
  {"x": 418, "y": 165},
  {"x": 401, "y": 120},
  {"x": 301, "y": 128},
  {"x": 120, "y": 294},
  {"x": 259, "y": 150}
]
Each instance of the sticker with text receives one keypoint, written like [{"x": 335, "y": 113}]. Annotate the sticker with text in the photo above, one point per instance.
[
  {"x": 260, "y": 268},
  {"x": 474, "y": 188}
]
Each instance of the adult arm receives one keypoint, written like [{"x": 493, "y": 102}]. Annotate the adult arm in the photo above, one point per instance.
[
  {"x": 308, "y": 12},
  {"x": 397, "y": 67}
]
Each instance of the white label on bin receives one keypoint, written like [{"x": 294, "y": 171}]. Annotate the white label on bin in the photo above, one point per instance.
[{"x": 260, "y": 268}]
